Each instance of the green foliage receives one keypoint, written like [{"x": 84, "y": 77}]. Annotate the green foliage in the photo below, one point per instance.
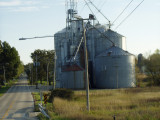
[
  {"x": 46, "y": 60},
  {"x": 62, "y": 93},
  {"x": 10, "y": 63},
  {"x": 3, "y": 90},
  {"x": 152, "y": 64}
]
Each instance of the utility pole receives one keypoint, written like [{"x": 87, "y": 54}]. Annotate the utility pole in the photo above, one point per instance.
[
  {"x": 86, "y": 59},
  {"x": 4, "y": 74},
  {"x": 47, "y": 73},
  {"x": 54, "y": 80},
  {"x": 36, "y": 74},
  {"x": 30, "y": 74},
  {"x": 86, "y": 66}
]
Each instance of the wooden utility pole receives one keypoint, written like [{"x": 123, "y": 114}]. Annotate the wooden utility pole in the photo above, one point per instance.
[
  {"x": 86, "y": 66},
  {"x": 54, "y": 80}
]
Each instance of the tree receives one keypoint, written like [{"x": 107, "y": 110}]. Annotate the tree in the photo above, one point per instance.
[
  {"x": 10, "y": 62},
  {"x": 152, "y": 64},
  {"x": 46, "y": 60}
]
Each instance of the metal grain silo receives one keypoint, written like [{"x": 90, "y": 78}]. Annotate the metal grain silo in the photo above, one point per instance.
[
  {"x": 101, "y": 42},
  {"x": 115, "y": 68}
]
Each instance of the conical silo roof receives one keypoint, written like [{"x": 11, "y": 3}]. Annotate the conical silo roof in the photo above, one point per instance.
[{"x": 114, "y": 51}]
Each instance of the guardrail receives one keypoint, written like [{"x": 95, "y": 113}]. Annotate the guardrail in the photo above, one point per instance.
[{"x": 42, "y": 109}]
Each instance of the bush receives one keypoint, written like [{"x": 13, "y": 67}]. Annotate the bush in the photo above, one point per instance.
[{"x": 62, "y": 93}]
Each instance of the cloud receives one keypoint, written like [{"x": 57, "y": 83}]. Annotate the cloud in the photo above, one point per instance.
[
  {"x": 22, "y": 5},
  {"x": 25, "y": 9},
  {"x": 17, "y": 3},
  {"x": 10, "y": 3}
]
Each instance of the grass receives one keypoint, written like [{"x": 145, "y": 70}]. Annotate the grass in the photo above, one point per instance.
[
  {"x": 142, "y": 80},
  {"x": 37, "y": 100},
  {"x": 4, "y": 88},
  {"x": 44, "y": 82},
  {"x": 126, "y": 104}
]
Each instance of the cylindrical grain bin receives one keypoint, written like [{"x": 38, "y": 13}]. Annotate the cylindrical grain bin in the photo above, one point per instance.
[{"x": 115, "y": 68}]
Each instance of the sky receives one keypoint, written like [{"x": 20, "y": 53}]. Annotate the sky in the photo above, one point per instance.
[{"x": 32, "y": 18}]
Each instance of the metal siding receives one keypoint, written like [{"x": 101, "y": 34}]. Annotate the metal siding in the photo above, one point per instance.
[
  {"x": 108, "y": 78},
  {"x": 105, "y": 74},
  {"x": 73, "y": 79}
]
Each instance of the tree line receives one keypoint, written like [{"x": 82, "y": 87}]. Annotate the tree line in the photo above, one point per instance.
[
  {"x": 10, "y": 65},
  {"x": 151, "y": 67},
  {"x": 42, "y": 68}
]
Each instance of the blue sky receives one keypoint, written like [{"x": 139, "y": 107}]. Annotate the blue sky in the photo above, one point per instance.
[{"x": 30, "y": 18}]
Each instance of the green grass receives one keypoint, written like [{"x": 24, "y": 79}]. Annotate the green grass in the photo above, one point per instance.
[
  {"x": 36, "y": 97},
  {"x": 125, "y": 104},
  {"x": 44, "y": 82},
  {"x": 3, "y": 89}
]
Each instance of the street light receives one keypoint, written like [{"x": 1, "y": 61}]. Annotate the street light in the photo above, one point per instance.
[
  {"x": 36, "y": 57},
  {"x": 35, "y": 37}
]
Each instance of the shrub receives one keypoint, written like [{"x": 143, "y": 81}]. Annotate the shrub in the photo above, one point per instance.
[{"x": 62, "y": 93}]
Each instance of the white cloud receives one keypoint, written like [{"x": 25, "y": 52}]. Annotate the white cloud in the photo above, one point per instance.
[
  {"x": 22, "y": 5},
  {"x": 44, "y": 7},
  {"x": 10, "y": 3},
  {"x": 25, "y": 9},
  {"x": 29, "y": 2}
]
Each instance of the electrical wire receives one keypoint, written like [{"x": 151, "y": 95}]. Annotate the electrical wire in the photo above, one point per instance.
[
  {"x": 122, "y": 11},
  {"x": 90, "y": 9},
  {"x": 130, "y": 14},
  {"x": 105, "y": 1},
  {"x": 102, "y": 5},
  {"x": 99, "y": 10},
  {"x": 82, "y": 8},
  {"x": 104, "y": 35}
]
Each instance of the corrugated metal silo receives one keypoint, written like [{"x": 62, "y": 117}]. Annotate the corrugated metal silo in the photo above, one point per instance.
[
  {"x": 101, "y": 43},
  {"x": 115, "y": 68}
]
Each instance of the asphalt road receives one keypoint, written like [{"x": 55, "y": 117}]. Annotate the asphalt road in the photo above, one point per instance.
[{"x": 17, "y": 102}]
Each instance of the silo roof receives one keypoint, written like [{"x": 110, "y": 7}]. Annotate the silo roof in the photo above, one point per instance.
[
  {"x": 113, "y": 33},
  {"x": 114, "y": 51}
]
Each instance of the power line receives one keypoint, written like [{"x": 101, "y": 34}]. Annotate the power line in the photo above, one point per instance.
[
  {"x": 104, "y": 35},
  {"x": 90, "y": 9},
  {"x": 130, "y": 14},
  {"x": 99, "y": 11},
  {"x": 105, "y": 1},
  {"x": 122, "y": 11},
  {"x": 100, "y": 6},
  {"x": 83, "y": 8}
]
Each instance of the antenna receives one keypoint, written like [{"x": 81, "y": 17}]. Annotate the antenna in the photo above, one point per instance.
[{"x": 71, "y": 10}]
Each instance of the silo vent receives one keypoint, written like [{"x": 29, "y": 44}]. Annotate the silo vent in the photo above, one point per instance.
[{"x": 109, "y": 53}]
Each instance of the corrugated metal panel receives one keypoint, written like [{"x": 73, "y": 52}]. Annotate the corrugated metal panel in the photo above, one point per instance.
[
  {"x": 73, "y": 80},
  {"x": 114, "y": 51},
  {"x": 96, "y": 44},
  {"x": 72, "y": 68},
  {"x": 116, "y": 70}
]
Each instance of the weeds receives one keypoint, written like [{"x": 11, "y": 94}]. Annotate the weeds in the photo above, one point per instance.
[
  {"x": 129, "y": 104},
  {"x": 124, "y": 104}
]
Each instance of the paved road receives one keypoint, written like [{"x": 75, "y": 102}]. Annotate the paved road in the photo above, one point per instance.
[{"x": 17, "y": 102}]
